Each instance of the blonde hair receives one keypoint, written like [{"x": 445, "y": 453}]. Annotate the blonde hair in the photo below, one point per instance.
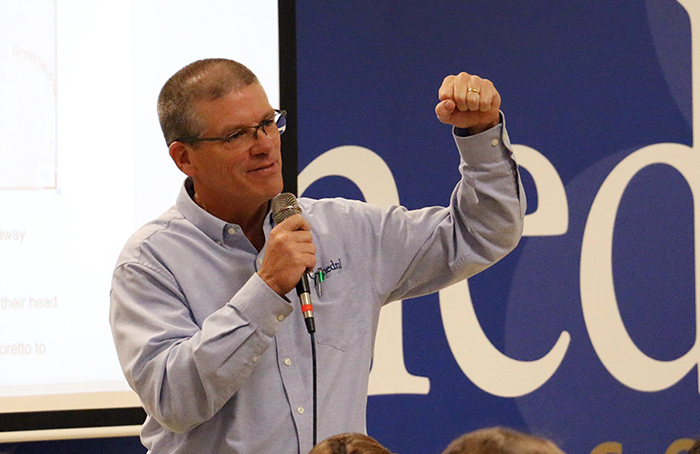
[
  {"x": 501, "y": 440},
  {"x": 349, "y": 443}
]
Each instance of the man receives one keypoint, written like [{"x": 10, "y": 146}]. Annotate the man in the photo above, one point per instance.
[{"x": 201, "y": 313}]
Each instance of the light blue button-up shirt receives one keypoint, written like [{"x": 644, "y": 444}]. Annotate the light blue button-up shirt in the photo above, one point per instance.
[{"x": 222, "y": 364}]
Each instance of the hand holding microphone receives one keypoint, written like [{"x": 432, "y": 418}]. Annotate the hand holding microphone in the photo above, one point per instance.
[{"x": 289, "y": 253}]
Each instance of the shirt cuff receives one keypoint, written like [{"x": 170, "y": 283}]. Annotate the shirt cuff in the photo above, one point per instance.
[{"x": 490, "y": 146}]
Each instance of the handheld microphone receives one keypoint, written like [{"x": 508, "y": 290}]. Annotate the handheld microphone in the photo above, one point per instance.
[{"x": 283, "y": 206}]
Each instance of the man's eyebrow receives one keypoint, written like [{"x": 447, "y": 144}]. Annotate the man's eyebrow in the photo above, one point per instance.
[{"x": 271, "y": 113}]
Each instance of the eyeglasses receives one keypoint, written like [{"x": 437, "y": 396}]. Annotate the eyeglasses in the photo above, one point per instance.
[{"x": 248, "y": 133}]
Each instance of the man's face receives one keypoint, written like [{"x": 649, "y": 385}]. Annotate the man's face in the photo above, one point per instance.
[{"x": 244, "y": 173}]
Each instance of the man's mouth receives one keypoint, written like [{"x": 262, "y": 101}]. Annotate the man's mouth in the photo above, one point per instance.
[{"x": 264, "y": 168}]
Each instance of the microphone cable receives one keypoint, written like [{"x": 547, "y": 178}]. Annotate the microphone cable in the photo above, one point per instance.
[
  {"x": 313, "y": 367},
  {"x": 307, "y": 311}
]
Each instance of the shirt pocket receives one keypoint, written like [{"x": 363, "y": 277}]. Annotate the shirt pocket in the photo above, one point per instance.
[{"x": 341, "y": 313}]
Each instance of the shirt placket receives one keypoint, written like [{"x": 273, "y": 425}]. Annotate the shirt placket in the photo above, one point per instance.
[{"x": 293, "y": 365}]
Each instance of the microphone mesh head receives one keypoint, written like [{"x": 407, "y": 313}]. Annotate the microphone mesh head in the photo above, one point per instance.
[{"x": 283, "y": 206}]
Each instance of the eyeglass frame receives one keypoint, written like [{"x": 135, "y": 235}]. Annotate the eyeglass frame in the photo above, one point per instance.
[{"x": 228, "y": 138}]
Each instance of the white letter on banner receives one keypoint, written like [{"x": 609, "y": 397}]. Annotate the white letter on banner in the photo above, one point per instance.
[
  {"x": 374, "y": 179},
  {"x": 613, "y": 345},
  {"x": 552, "y": 215},
  {"x": 481, "y": 362}
]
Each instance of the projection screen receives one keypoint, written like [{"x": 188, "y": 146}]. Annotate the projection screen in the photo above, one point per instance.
[{"x": 83, "y": 165}]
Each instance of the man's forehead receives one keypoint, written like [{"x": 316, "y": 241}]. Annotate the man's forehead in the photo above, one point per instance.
[{"x": 239, "y": 108}]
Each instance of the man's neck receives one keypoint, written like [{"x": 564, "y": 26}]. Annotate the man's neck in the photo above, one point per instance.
[
  {"x": 253, "y": 228},
  {"x": 250, "y": 220}
]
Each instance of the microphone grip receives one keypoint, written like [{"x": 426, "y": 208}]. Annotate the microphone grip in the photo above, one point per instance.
[{"x": 304, "y": 292}]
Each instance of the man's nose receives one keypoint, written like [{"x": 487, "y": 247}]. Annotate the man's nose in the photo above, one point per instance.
[{"x": 262, "y": 142}]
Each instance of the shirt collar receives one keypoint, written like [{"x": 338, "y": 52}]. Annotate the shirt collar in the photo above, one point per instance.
[{"x": 213, "y": 227}]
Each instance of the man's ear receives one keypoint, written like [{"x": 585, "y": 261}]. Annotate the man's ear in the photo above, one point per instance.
[{"x": 180, "y": 153}]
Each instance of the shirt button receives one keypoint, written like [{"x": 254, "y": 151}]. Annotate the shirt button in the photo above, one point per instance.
[
  {"x": 300, "y": 410},
  {"x": 259, "y": 261},
  {"x": 494, "y": 142},
  {"x": 280, "y": 318},
  {"x": 231, "y": 230},
  {"x": 255, "y": 359},
  {"x": 287, "y": 362}
]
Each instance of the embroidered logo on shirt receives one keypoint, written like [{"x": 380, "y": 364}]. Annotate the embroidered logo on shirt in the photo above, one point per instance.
[
  {"x": 332, "y": 267},
  {"x": 322, "y": 273}
]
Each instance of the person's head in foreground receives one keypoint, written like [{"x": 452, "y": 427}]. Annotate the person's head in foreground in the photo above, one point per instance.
[
  {"x": 349, "y": 443},
  {"x": 500, "y": 440}
]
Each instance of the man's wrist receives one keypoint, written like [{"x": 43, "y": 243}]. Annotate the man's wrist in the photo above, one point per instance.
[{"x": 466, "y": 132}]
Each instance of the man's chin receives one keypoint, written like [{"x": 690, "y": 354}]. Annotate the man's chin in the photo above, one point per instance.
[{"x": 275, "y": 188}]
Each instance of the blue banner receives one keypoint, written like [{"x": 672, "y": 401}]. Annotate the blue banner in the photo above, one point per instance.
[{"x": 588, "y": 332}]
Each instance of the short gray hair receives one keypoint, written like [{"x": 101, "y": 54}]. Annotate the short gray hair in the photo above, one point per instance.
[{"x": 207, "y": 79}]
